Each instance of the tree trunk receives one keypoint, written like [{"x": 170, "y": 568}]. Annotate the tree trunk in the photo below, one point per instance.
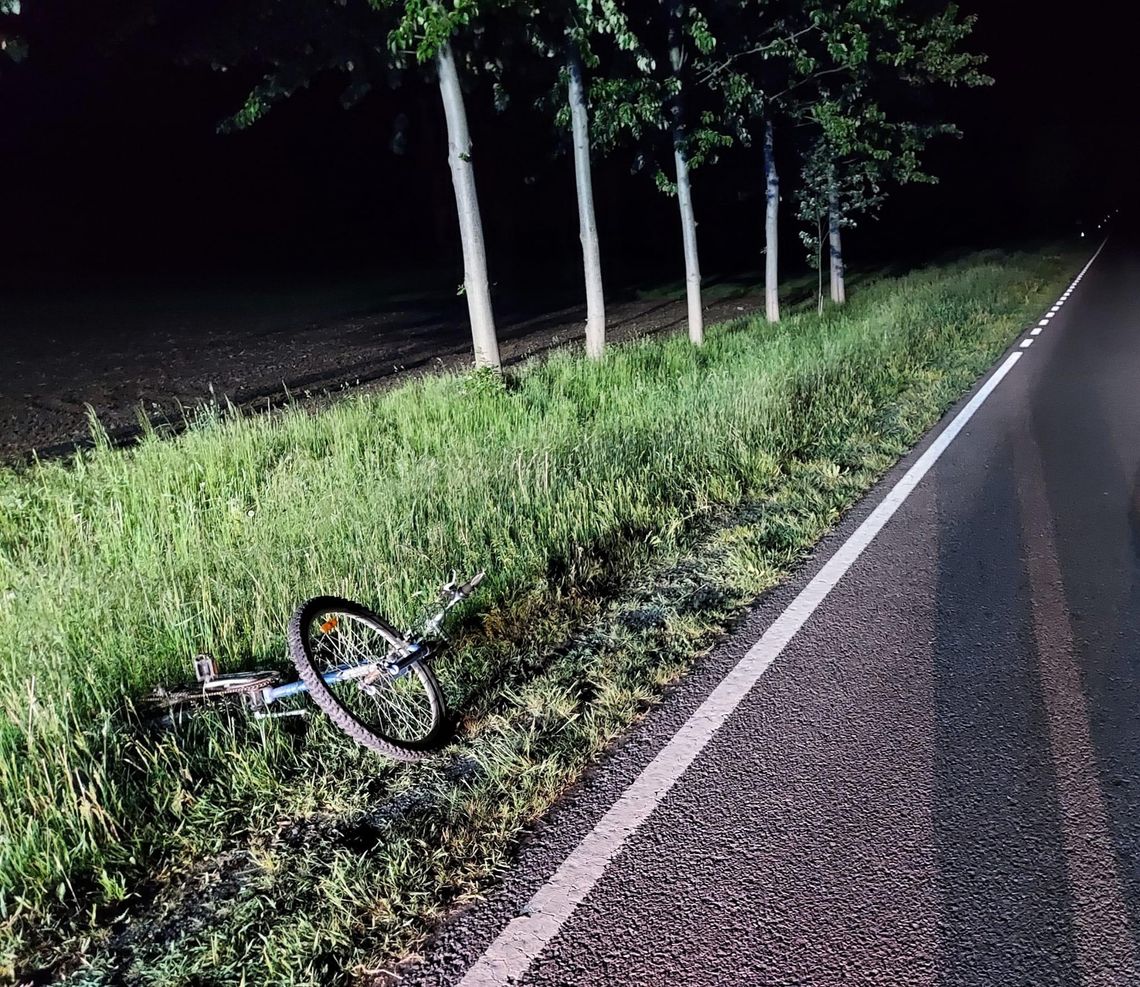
[
  {"x": 587, "y": 224},
  {"x": 819, "y": 262},
  {"x": 684, "y": 189},
  {"x": 771, "y": 227},
  {"x": 689, "y": 235},
  {"x": 475, "y": 282},
  {"x": 838, "y": 289}
]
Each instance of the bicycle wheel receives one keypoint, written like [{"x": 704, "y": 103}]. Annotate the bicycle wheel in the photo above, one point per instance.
[{"x": 403, "y": 717}]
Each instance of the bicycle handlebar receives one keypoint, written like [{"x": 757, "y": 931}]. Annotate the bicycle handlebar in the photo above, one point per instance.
[{"x": 450, "y": 597}]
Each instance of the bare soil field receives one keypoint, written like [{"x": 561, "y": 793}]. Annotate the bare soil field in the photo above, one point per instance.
[{"x": 119, "y": 349}]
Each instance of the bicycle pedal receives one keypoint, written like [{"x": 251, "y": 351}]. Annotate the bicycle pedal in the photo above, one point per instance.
[{"x": 205, "y": 667}]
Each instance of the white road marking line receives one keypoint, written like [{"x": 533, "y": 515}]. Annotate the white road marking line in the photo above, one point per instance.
[
  {"x": 510, "y": 955},
  {"x": 1045, "y": 321},
  {"x": 1026, "y": 343},
  {"x": 1036, "y": 331},
  {"x": 1084, "y": 270}
]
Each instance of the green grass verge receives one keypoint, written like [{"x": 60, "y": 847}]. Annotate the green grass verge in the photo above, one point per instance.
[{"x": 625, "y": 512}]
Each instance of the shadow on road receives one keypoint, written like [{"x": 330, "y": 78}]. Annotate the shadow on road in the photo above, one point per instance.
[{"x": 999, "y": 858}]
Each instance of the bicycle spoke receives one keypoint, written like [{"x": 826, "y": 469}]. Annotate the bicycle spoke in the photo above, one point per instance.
[{"x": 397, "y": 707}]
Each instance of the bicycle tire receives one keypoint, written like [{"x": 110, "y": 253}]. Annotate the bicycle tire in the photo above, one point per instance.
[{"x": 365, "y": 734}]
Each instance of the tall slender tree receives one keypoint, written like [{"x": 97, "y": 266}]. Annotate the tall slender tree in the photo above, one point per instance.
[
  {"x": 476, "y": 283},
  {"x": 425, "y": 31},
  {"x": 778, "y": 62},
  {"x": 577, "y": 35},
  {"x": 366, "y": 41},
  {"x": 680, "y": 141},
  {"x": 761, "y": 57},
  {"x": 771, "y": 226},
  {"x": 584, "y": 188},
  {"x": 873, "y": 56},
  {"x": 644, "y": 99}
]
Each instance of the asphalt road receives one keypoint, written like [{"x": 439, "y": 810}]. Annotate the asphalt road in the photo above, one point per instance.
[{"x": 938, "y": 779}]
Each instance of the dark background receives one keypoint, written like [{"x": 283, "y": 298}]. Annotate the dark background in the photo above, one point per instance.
[{"x": 110, "y": 164}]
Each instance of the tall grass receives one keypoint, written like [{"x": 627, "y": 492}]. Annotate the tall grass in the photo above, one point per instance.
[{"x": 117, "y": 566}]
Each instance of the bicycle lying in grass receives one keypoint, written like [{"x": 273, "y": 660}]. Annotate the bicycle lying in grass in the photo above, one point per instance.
[{"x": 373, "y": 682}]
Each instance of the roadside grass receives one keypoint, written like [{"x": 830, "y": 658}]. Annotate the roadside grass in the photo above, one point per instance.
[{"x": 625, "y": 512}]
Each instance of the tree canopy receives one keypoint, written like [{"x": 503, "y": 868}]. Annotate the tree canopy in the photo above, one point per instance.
[
  {"x": 840, "y": 89},
  {"x": 13, "y": 47}
]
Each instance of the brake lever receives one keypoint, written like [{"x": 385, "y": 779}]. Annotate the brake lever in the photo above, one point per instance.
[{"x": 450, "y": 596}]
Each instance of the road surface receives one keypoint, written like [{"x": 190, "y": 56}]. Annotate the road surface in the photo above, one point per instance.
[{"x": 937, "y": 778}]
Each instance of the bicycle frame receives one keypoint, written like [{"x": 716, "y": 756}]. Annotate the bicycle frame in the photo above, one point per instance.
[
  {"x": 260, "y": 689},
  {"x": 343, "y": 673}
]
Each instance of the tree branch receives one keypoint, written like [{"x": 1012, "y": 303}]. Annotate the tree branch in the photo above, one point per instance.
[{"x": 715, "y": 70}]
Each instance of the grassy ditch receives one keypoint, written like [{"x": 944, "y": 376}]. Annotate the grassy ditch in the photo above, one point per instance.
[{"x": 624, "y": 511}]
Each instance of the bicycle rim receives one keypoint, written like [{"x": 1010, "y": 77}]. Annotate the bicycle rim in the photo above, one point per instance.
[{"x": 400, "y": 716}]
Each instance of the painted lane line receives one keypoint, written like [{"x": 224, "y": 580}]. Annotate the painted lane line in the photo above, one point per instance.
[
  {"x": 1084, "y": 270},
  {"x": 516, "y": 947},
  {"x": 1026, "y": 343},
  {"x": 1045, "y": 321},
  {"x": 1036, "y": 331}
]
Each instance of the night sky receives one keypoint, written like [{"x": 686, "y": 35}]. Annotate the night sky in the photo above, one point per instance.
[{"x": 111, "y": 163}]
